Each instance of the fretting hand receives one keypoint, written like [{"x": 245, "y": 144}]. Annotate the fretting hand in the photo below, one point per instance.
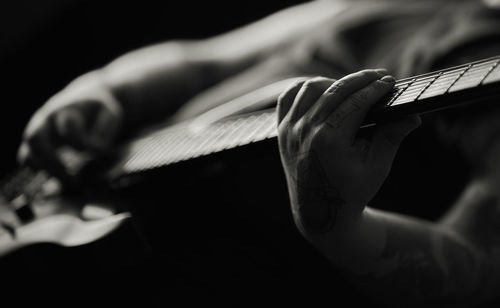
[{"x": 331, "y": 172}]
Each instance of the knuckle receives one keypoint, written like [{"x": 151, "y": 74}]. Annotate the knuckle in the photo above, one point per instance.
[
  {"x": 283, "y": 97},
  {"x": 321, "y": 138},
  {"x": 283, "y": 129},
  {"x": 287, "y": 93},
  {"x": 297, "y": 128},
  {"x": 316, "y": 83},
  {"x": 337, "y": 86}
]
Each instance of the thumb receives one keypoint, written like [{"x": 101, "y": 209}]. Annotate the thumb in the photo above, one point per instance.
[{"x": 387, "y": 138}]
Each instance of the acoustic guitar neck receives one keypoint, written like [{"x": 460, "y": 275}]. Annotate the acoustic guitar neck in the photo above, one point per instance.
[{"x": 472, "y": 82}]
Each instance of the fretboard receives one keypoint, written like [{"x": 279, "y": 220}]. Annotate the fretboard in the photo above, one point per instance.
[{"x": 417, "y": 94}]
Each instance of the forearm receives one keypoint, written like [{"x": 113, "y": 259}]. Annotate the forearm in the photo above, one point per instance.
[
  {"x": 404, "y": 261},
  {"x": 153, "y": 82}
]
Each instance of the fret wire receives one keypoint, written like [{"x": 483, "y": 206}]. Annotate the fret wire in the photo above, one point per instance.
[
  {"x": 412, "y": 93},
  {"x": 427, "y": 86},
  {"x": 477, "y": 77},
  {"x": 436, "y": 86},
  {"x": 403, "y": 100},
  {"x": 469, "y": 79},
  {"x": 494, "y": 76},
  {"x": 452, "y": 69},
  {"x": 468, "y": 84},
  {"x": 412, "y": 90},
  {"x": 447, "y": 77},
  {"x": 484, "y": 64},
  {"x": 492, "y": 68},
  {"x": 415, "y": 81},
  {"x": 433, "y": 92},
  {"x": 441, "y": 82},
  {"x": 402, "y": 90},
  {"x": 446, "y": 73},
  {"x": 459, "y": 76},
  {"x": 475, "y": 74},
  {"x": 393, "y": 96}
]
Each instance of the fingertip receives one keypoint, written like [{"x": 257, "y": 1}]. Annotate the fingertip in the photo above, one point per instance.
[
  {"x": 388, "y": 79},
  {"x": 286, "y": 98},
  {"x": 381, "y": 71}
]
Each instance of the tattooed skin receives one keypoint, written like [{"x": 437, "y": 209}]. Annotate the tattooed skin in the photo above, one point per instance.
[
  {"x": 318, "y": 202},
  {"x": 429, "y": 265},
  {"x": 428, "y": 268}
]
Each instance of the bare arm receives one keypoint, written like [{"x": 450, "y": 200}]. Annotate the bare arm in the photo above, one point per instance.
[
  {"x": 151, "y": 83},
  {"x": 157, "y": 79},
  {"x": 332, "y": 174}
]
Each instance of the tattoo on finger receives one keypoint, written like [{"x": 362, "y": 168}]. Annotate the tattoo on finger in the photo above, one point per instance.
[{"x": 318, "y": 202}]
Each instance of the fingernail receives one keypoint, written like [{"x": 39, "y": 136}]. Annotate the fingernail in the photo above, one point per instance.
[
  {"x": 381, "y": 71},
  {"x": 388, "y": 79}
]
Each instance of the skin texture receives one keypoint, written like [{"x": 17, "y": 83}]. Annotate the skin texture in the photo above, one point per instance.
[
  {"x": 322, "y": 156},
  {"x": 333, "y": 172}
]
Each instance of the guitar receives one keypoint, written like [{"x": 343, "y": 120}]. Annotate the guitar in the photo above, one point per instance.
[{"x": 32, "y": 209}]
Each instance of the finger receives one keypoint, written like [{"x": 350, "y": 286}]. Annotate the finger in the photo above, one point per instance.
[
  {"x": 350, "y": 114},
  {"x": 341, "y": 89},
  {"x": 387, "y": 139},
  {"x": 308, "y": 94},
  {"x": 285, "y": 100},
  {"x": 42, "y": 152},
  {"x": 103, "y": 131},
  {"x": 70, "y": 128}
]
